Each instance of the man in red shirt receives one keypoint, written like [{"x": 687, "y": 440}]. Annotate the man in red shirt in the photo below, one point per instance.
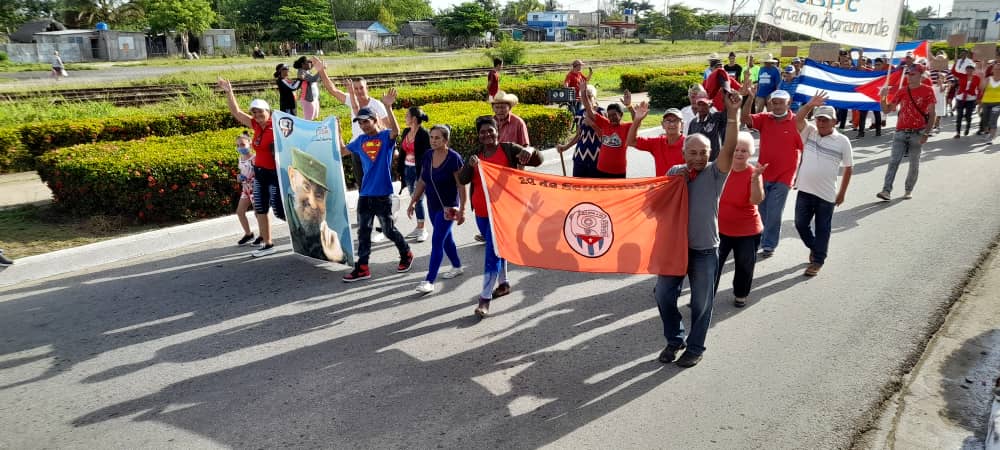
[
  {"x": 915, "y": 101},
  {"x": 780, "y": 149},
  {"x": 575, "y": 76},
  {"x": 611, "y": 162},
  {"x": 667, "y": 149},
  {"x": 512, "y": 127},
  {"x": 493, "y": 79}
]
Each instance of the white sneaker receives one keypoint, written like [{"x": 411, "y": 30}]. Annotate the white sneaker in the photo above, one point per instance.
[
  {"x": 377, "y": 237},
  {"x": 425, "y": 287},
  {"x": 263, "y": 251},
  {"x": 454, "y": 272},
  {"x": 423, "y": 236},
  {"x": 413, "y": 234}
]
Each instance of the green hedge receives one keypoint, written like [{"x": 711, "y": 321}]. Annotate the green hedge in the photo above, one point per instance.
[
  {"x": 533, "y": 92},
  {"x": 943, "y": 46},
  {"x": 194, "y": 176},
  {"x": 670, "y": 92},
  {"x": 13, "y": 156},
  {"x": 42, "y": 137},
  {"x": 637, "y": 81},
  {"x": 152, "y": 180}
]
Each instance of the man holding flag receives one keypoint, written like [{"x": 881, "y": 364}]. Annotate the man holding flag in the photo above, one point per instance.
[{"x": 916, "y": 102}]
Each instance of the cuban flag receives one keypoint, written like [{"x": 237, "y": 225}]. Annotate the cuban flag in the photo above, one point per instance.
[
  {"x": 920, "y": 49},
  {"x": 847, "y": 89}
]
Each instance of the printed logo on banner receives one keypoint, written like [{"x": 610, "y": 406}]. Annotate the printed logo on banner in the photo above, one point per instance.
[
  {"x": 286, "y": 125},
  {"x": 588, "y": 230},
  {"x": 323, "y": 134}
]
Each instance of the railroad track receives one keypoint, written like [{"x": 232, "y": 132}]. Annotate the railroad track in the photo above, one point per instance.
[{"x": 140, "y": 95}]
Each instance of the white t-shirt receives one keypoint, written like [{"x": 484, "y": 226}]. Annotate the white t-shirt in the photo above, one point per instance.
[
  {"x": 375, "y": 105},
  {"x": 822, "y": 158},
  {"x": 962, "y": 63}
]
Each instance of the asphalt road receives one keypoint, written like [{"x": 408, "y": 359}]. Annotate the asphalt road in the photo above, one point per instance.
[{"x": 206, "y": 347}]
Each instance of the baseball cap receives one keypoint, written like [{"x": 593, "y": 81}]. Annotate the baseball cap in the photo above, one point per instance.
[
  {"x": 364, "y": 114},
  {"x": 916, "y": 68},
  {"x": 796, "y": 60},
  {"x": 789, "y": 69},
  {"x": 825, "y": 111},
  {"x": 674, "y": 112},
  {"x": 702, "y": 98},
  {"x": 781, "y": 94},
  {"x": 258, "y": 103}
]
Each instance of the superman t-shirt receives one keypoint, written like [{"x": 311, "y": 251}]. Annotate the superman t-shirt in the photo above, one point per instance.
[{"x": 376, "y": 159}]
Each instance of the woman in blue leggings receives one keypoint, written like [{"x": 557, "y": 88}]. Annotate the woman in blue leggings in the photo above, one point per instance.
[{"x": 445, "y": 203}]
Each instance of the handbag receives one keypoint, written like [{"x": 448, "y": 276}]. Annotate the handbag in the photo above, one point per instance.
[{"x": 449, "y": 212}]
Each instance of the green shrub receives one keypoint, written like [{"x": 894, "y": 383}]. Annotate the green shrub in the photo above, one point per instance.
[
  {"x": 153, "y": 180},
  {"x": 533, "y": 92},
  {"x": 509, "y": 51},
  {"x": 3, "y": 57},
  {"x": 44, "y": 136},
  {"x": 952, "y": 54},
  {"x": 13, "y": 156},
  {"x": 636, "y": 81},
  {"x": 670, "y": 92}
]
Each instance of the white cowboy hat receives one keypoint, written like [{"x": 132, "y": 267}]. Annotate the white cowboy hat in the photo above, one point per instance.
[{"x": 503, "y": 97}]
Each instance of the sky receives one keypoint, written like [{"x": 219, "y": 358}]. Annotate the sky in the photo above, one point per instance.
[{"x": 718, "y": 5}]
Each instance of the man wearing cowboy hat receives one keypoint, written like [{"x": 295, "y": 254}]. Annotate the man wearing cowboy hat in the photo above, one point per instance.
[
  {"x": 512, "y": 127},
  {"x": 307, "y": 219},
  {"x": 767, "y": 82}
]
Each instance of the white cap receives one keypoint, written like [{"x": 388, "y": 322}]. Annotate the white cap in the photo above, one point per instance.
[
  {"x": 781, "y": 94},
  {"x": 260, "y": 104}
]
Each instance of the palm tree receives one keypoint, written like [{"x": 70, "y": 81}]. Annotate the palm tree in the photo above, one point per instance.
[{"x": 116, "y": 13}]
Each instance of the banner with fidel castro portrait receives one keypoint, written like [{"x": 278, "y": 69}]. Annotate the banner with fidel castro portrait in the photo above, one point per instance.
[
  {"x": 313, "y": 189},
  {"x": 637, "y": 225}
]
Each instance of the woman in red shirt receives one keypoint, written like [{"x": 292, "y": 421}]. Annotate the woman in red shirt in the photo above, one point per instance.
[
  {"x": 739, "y": 222},
  {"x": 504, "y": 154}
]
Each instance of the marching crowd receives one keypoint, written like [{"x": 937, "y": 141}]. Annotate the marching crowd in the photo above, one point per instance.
[{"x": 735, "y": 206}]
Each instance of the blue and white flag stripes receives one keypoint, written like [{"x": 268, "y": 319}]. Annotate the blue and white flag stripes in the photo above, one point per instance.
[
  {"x": 841, "y": 85},
  {"x": 920, "y": 49}
]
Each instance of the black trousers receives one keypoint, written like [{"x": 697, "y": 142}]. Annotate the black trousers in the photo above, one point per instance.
[
  {"x": 744, "y": 250},
  {"x": 864, "y": 117},
  {"x": 965, "y": 109}
]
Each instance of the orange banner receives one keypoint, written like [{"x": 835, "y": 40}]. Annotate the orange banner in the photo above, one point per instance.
[{"x": 634, "y": 225}]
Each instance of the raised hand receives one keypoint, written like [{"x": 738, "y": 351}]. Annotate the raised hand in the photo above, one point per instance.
[
  {"x": 641, "y": 111},
  {"x": 819, "y": 99},
  {"x": 745, "y": 89},
  {"x": 225, "y": 85},
  {"x": 627, "y": 98},
  {"x": 758, "y": 170},
  {"x": 390, "y": 97},
  {"x": 590, "y": 72},
  {"x": 733, "y": 101}
]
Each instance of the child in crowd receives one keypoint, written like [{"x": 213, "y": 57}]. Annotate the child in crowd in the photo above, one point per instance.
[{"x": 245, "y": 177}]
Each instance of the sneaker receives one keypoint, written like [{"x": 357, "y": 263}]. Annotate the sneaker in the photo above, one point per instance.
[
  {"x": 243, "y": 240},
  {"x": 423, "y": 236},
  {"x": 258, "y": 241},
  {"x": 740, "y": 302},
  {"x": 454, "y": 272},
  {"x": 5, "y": 261},
  {"x": 425, "y": 287},
  {"x": 483, "y": 309},
  {"x": 670, "y": 353},
  {"x": 861, "y": 134},
  {"x": 263, "y": 251},
  {"x": 908, "y": 195},
  {"x": 360, "y": 272},
  {"x": 688, "y": 360},
  {"x": 766, "y": 253},
  {"x": 405, "y": 262},
  {"x": 416, "y": 232},
  {"x": 884, "y": 196},
  {"x": 377, "y": 237},
  {"x": 813, "y": 270},
  {"x": 958, "y": 135}
]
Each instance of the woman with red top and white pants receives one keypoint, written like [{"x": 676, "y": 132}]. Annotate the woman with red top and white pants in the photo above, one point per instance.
[{"x": 739, "y": 221}]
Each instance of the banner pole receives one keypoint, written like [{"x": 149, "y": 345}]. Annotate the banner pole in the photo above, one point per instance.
[
  {"x": 753, "y": 31},
  {"x": 562, "y": 159}
]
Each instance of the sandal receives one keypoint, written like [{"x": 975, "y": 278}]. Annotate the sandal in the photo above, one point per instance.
[
  {"x": 501, "y": 290},
  {"x": 483, "y": 309}
]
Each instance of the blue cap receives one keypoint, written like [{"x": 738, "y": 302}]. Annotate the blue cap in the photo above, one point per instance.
[
  {"x": 789, "y": 69},
  {"x": 364, "y": 114}
]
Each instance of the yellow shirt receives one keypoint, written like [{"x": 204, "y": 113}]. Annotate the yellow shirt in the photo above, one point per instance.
[{"x": 991, "y": 92}]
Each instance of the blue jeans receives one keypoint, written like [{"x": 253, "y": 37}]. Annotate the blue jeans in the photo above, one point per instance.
[
  {"x": 494, "y": 265},
  {"x": 410, "y": 178},
  {"x": 442, "y": 241},
  {"x": 807, "y": 208},
  {"x": 903, "y": 141},
  {"x": 368, "y": 209},
  {"x": 702, "y": 267},
  {"x": 771, "y": 208}
]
